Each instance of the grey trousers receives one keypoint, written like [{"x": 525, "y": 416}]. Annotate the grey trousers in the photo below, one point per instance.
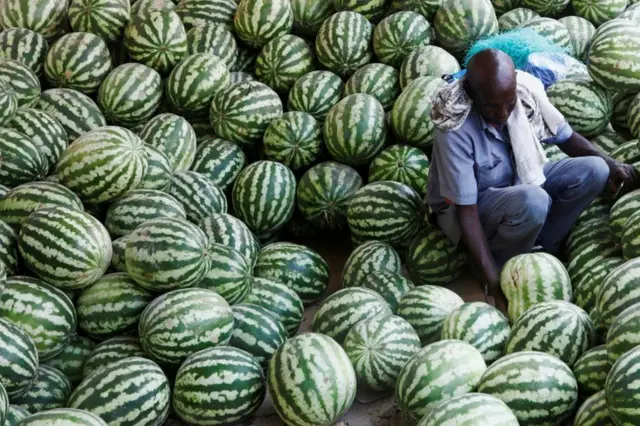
[{"x": 518, "y": 217}]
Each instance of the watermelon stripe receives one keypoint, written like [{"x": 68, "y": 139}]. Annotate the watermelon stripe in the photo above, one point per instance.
[
  {"x": 229, "y": 274},
  {"x": 18, "y": 359}
]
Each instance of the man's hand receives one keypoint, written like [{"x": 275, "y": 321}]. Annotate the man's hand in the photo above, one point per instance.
[{"x": 619, "y": 174}]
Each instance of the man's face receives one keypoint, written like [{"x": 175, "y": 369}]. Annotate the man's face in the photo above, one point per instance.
[{"x": 496, "y": 106}]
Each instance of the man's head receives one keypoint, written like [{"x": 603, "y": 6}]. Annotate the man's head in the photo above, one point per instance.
[{"x": 491, "y": 83}]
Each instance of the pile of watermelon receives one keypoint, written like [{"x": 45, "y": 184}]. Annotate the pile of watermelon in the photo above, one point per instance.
[{"x": 161, "y": 163}]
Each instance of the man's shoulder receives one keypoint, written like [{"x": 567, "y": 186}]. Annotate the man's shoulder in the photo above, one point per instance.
[{"x": 472, "y": 126}]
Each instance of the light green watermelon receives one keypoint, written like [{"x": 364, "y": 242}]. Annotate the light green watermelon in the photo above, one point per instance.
[{"x": 581, "y": 32}]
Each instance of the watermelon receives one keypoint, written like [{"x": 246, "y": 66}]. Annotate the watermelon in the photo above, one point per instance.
[
  {"x": 218, "y": 386},
  {"x": 459, "y": 23},
  {"x": 24, "y": 46},
  {"x": 8, "y": 103},
  {"x": 66, "y": 416},
  {"x": 182, "y": 322},
  {"x": 324, "y": 192},
  {"x": 118, "y": 248},
  {"x": 481, "y": 325},
  {"x": 503, "y": 6},
  {"x": 257, "y": 23},
  {"x": 174, "y": 136},
  {"x": 8, "y": 250},
  {"x": 377, "y": 80},
  {"x": 434, "y": 375},
  {"x": 539, "y": 388},
  {"x": 581, "y": 32},
  {"x": 621, "y": 105},
  {"x": 308, "y": 16},
  {"x": 633, "y": 117},
  {"x": 433, "y": 259},
  {"x": 533, "y": 278},
  {"x": 278, "y": 299},
  {"x": 229, "y": 274},
  {"x": 378, "y": 348},
  {"x": 65, "y": 247},
  {"x": 272, "y": 210},
  {"x": 72, "y": 358},
  {"x": 139, "y": 382},
  {"x": 299, "y": 398},
  {"x": 130, "y": 94},
  {"x": 343, "y": 43},
  {"x": 621, "y": 211},
  {"x": 137, "y": 206},
  {"x": 21, "y": 79},
  {"x": 22, "y": 161},
  {"x": 632, "y": 12},
  {"x": 373, "y": 10},
  {"x": 164, "y": 254},
  {"x": 283, "y": 60},
  {"x": 19, "y": 359},
  {"x": 630, "y": 243},
  {"x": 474, "y": 408},
  {"x": 591, "y": 370},
  {"x": 194, "y": 82},
  {"x": 426, "y": 309},
  {"x": 44, "y": 312},
  {"x": 551, "y": 8},
  {"x": 50, "y": 389},
  {"x": 316, "y": 93},
  {"x": 46, "y": 17},
  {"x": 620, "y": 389},
  {"x": 211, "y": 38},
  {"x": 403, "y": 164},
  {"x": 369, "y": 257},
  {"x": 240, "y": 77},
  {"x": 195, "y": 13},
  {"x": 587, "y": 287},
  {"x": 427, "y": 61},
  {"x": 156, "y": 39},
  {"x": 229, "y": 231},
  {"x": 608, "y": 141},
  {"x": 15, "y": 414},
  {"x": 77, "y": 113},
  {"x": 344, "y": 308},
  {"x": 599, "y": 12},
  {"x": 590, "y": 244},
  {"x": 219, "y": 160},
  {"x": 552, "y": 30},
  {"x": 242, "y": 112},
  {"x": 104, "y": 18},
  {"x": 27, "y": 198},
  {"x": 618, "y": 291},
  {"x": 199, "y": 196},
  {"x": 516, "y": 17},
  {"x": 110, "y": 351},
  {"x": 392, "y": 286},
  {"x": 245, "y": 59},
  {"x": 623, "y": 334},
  {"x": 594, "y": 412},
  {"x": 294, "y": 139},
  {"x": 398, "y": 35},
  {"x": 426, "y": 8}
]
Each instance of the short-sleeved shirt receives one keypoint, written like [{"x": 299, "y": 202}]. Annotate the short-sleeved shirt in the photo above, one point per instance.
[{"x": 468, "y": 161}]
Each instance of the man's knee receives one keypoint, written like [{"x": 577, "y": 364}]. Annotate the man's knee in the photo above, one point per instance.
[
  {"x": 534, "y": 202},
  {"x": 598, "y": 171}
]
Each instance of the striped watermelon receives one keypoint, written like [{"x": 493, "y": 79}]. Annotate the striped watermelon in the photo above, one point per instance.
[
  {"x": 210, "y": 37},
  {"x": 78, "y": 61},
  {"x": 581, "y": 32},
  {"x": 219, "y": 160},
  {"x": 552, "y": 30},
  {"x": 18, "y": 359},
  {"x": 587, "y": 288},
  {"x": 283, "y": 60},
  {"x": 608, "y": 141},
  {"x": 553, "y": 153},
  {"x": 630, "y": 243},
  {"x": 202, "y": 128},
  {"x": 137, "y": 206},
  {"x": 503, "y": 6},
  {"x": 245, "y": 59},
  {"x": 8, "y": 250},
  {"x": 229, "y": 274},
  {"x": 369, "y": 257},
  {"x": 15, "y": 414},
  {"x": 264, "y": 196},
  {"x": 591, "y": 370},
  {"x": 24, "y": 46},
  {"x": 610, "y": 63},
  {"x": 324, "y": 192},
  {"x": 426, "y": 309},
  {"x": 551, "y": 8},
  {"x": 21, "y": 79},
  {"x": 130, "y": 94},
  {"x": 136, "y": 382},
  {"x": 199, "y": 196},
  {"x": 27, "y": 198},
  {"x": 278, "y": 299},
  {"x": 533, "y": 278},
  {"x": 296, "y": 266},
  {"x": 194, "y": 82},
  {"x": 628, "y": 152},
  {"x": 396, "y": 36},
  {"x": 66, "y": 416},
  {"x": 599, "y": 12},
  {"x": 432, "y": 258},
  {"x": 427, "y": 61},
  {"x": 301, "y": 360},
  {"x": 228, "y": 230},
  {"x": 557, "y": 328},
  {"x": 392, "y": 286},
  {"x": 241, "y": 113},
  {"x": 104, "y": 18},
  {"x": 195, "y": 13},
  {"x": 621, "y": 391},
  {"x": 77, "y": 113},
  {"x": 174, "y": 136},
  {"x": 481, "y": 325},
  {"x": 415, "y": 101},
  {"x": 377, "y": 80},
  {"x": 111, "y": 306},
  {"x": 516, "y": 17},
  {"x": 624, "y": 333},
  {"x": 344, "y": 308},
  {"x": 118, "y": 248},
  {"x": 22, "y": 161},
  {"x": 539, "y": 388},
  {"x": 257, "y": 331},
  {"x": 373, "y": 10},
  {"x": 621, "y": 105},
  {"x": 45, "y": 17},
  {"x": 50, "y": 389},
  {"x": 103, "y": 164},
  {"x": 378, "y": 348},
  {"x": 355, "y": 129},
  {"x": 165, "y": 254},
  {"x": 426, "y": 8},
  {"x": 316, "y": 93},
  {"x": 110, "y": 351},
  {"x": 72, "y": 358},
  {"x": 633, "y": 117},
  {"x": 586, "y": 106},
  {"x": 8, "y": 103},
  {"x": 471, "y": 408},
  {"x": 459, "y": 23},
  {"x": 618, "y": 291},
  {"x": 65, "y": 247},
  {"x": 403, "y": 164},
  {"x": 182, "y": 322},
  {"x": 218, "y": 386},
  {"x": 308, "y": 16},
  {"x": 590, "y": 244},
  {"x": 343, "y": 43},
  {"x": 594, "y": 412},
  {"x": 237, "y": 77},
  {"x": 434, "y": 375},
  {"x": 156, "y": 39},
  {"x": 294, "y": 139},
  {"x": 258, "y": 22},
  {"x": 598, "y": 209},
  {"x": 44, "y": 312}
]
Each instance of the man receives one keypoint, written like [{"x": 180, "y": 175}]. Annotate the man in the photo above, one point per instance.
[{"x": 499, "y": 197}]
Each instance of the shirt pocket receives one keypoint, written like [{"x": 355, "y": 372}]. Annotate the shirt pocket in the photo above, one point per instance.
[{"x": 497, "y": 174}]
